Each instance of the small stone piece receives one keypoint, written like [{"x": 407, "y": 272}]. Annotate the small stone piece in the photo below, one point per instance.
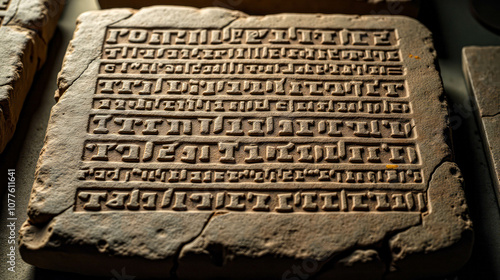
[
  {"x": 212, "y": 144},
  {"x": 482, "y": 71},
  {"x": 25, "y": 30},
  {"x": 263, "y": 7}
]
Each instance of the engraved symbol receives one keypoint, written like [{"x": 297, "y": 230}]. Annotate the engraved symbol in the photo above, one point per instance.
[
  {"x": 122, "y": 276},
  {"x": 4, "y": 4}
]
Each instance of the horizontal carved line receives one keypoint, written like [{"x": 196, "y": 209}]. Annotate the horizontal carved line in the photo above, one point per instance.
[
  {"x": 254, "y": 61},
  {"x": 325, "y": 77},
  {"x": 227, "y": 97},
  {"x": 244, "y": 46},
  {"x": 268, "y": 187},
  {"x": 316, "y": 115},
  {"x": 225, "y": 167},
  {"x": 246, "y": 139}
]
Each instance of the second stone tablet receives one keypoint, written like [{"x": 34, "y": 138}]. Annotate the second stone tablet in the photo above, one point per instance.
[
  {"x": 207, "y": 144},
  {"x": 26, "y": 27}
]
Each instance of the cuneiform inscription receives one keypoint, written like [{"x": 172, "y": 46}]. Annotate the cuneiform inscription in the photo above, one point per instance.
[
  {"x": 247, "y": 176},
  {"x": 251, "y": 36},
  {"x": 253, "y": 126},
  {"x": 250, "y": 153},
  {"x": 166, "y": 113},
  {"x": 4, "y": 4},
  {"x": 251, "y": 68},
  {"x": 252, "y": 87},
  {"x": 250, "y": 201},
  {"x": 272, "y": 53}
]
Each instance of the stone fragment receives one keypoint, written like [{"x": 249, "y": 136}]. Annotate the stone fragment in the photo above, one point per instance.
[
  {"x": 263, "y": 7},
  {"x": 482, "y": 71},
  {"x": 26, "y": 28},
  {"x": 211, "y": 144}
]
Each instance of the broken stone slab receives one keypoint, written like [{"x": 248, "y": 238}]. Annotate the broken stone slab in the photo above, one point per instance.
[
  {"x": 206, "y": 143},
  {"x": 26, "y": 28},
  {"x": 40, "y": 16},
  {"x": 263, "y": 7},
  {"x": 482, "y": 72}
]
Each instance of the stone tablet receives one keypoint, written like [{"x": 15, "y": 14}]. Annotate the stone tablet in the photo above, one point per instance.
[
  {"x": 25, "y": 30},
  {"x": 208, "y": 143},
  {"x": 482, "y": 72},
  {"x": 262, "y": 7}
]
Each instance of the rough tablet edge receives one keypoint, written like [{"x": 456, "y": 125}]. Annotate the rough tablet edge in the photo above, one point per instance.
[
  {"x": 40, "y": 16},
  {"x": 22, "y": 57}
]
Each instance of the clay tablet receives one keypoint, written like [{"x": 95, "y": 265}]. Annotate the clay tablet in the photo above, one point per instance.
[
  {"x": 208, "y": 144},
  {"x": 262, "y": 7},
  {"x": 482, "y": 72},
  {"x": 26, "y": 27}
]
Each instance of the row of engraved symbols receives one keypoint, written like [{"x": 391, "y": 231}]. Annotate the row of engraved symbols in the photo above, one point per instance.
[
  {"x": 247, "y": 52},
  {"x": 172, "y": 104},
  {"x": 271, "y": 201},
  {"x": 251, "y": 36},
  {"x": 288, "y": 176},
  {"x": 252, "y": 87},
  {"x": 251, "y": 126}
]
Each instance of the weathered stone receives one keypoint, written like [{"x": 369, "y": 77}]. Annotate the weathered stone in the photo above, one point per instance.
[
  {"x": 26, "y": 27},
  {"x": 263, "y": 7},
  {"x": 208, "y": 143},
  {"x": 482, "y": 72}
]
